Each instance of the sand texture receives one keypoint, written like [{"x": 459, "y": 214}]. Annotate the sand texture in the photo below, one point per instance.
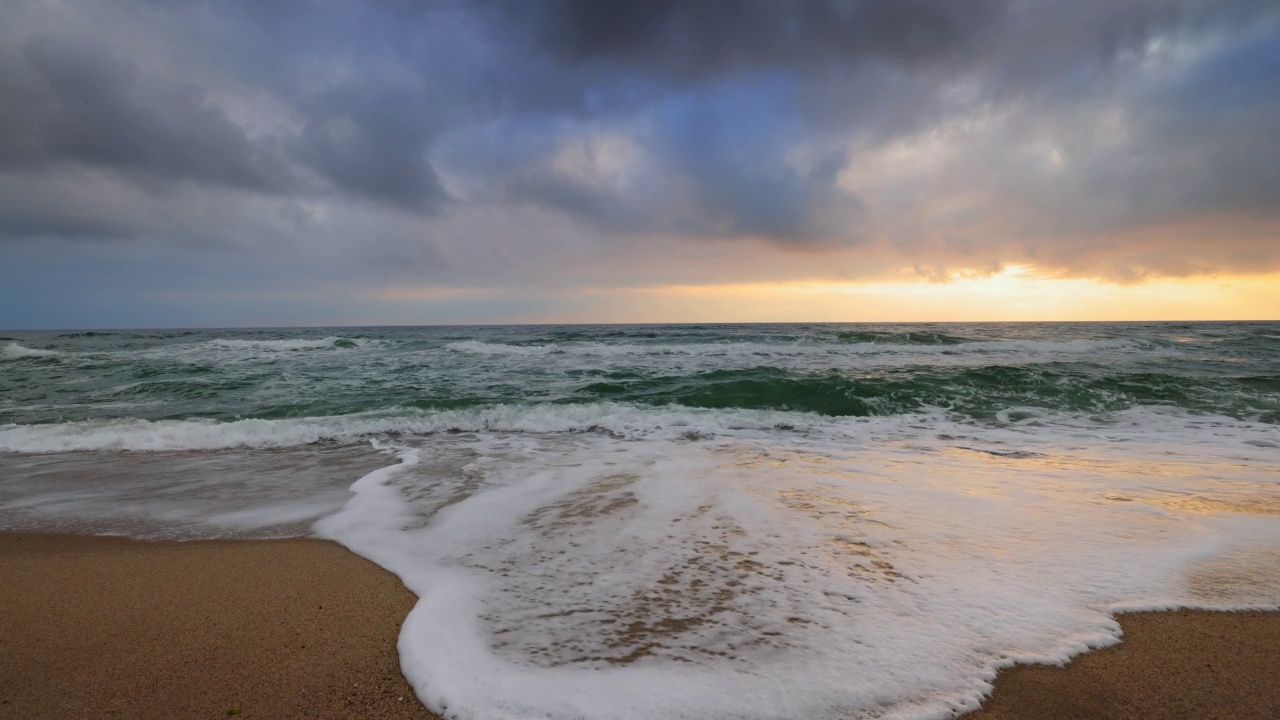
[
  {"x": 114, "y": 628},
  {"x": 1188, "y": 665}
]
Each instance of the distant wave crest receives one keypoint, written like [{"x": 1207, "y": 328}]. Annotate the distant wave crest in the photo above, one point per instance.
[
  {"x": 288, "y": 345},
  {"x": 14, "y": 351},
  {"x": 865, "y": 346}
]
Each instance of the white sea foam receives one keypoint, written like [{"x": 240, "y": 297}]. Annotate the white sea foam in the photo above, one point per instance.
[
  {"x": 133, "y": 434},
  {"x": 1214, "y": 433},
  {"x": 13, "y": 351},
  {"x": 886, "y": 573}
]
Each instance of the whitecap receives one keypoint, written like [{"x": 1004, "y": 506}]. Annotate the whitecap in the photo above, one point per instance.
[
  {"x": 286, "y": 345},
  {"x": 14, "y": 351}
]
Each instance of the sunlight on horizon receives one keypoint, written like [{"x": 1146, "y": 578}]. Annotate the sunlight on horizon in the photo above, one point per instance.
[{"x": 1017, "y": 293}]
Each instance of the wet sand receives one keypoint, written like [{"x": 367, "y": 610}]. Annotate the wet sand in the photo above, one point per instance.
[
  {"x": 114, "y": 628},
  {"x": 1189, "y": 665}
]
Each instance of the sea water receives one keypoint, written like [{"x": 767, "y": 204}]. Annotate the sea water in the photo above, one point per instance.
[{"x": 713, "y": 521}]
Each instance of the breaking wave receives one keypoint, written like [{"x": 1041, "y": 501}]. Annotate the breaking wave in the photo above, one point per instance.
[{"x": 14, "y": 351}]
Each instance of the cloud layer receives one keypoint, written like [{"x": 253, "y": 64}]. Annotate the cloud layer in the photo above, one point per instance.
[{"x": 268, "y": 147}]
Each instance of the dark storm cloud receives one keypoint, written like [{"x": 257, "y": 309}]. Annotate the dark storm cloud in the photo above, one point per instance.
[
  {"x": 73, "y": 100},
  {"x": 1223, "y": 118},
  {"x": 373, "y": 143},
  {"x": 868, "y": 73},
  {"x": 87, "y": 100},
  {"x": 714, "y": 37},
  {"x": 954, "y": 133},
  {"x": 1019, "y": 41},
  {"x": 741, "y": 182},
  {"x": 711, "y": 163}
]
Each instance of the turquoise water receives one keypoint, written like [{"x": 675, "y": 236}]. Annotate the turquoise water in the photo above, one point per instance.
[{"x": 973, "y": 371}]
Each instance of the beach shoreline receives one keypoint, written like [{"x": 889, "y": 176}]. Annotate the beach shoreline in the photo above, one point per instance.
[
  {"x": 100, "y": 627},
  {"x": 106, "y": 627},
  {"x": 1170, "y": 665}
]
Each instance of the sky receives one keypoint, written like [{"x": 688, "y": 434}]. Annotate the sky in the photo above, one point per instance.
[{"x": 263, "y": 163}]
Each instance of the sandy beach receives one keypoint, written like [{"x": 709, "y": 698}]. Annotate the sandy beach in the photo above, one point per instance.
[
  {"x": 115, "y": 628},
  {"x": 1188, "y": 665},
  {"x": 108, "y": 627}
]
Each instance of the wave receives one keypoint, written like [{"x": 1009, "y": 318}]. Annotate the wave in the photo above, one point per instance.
[
  {"x": 186, "y": 389},
  {"x": 615, "y": 419},
  {"x": 989, "y": 393},
  {"x": 288, "y": 345},
  {"x": 14, "y": 351},
  {"x": 1070, "y": 347},
  {"x": 923, "y": 337},
  {"x": 201, "y": 434},
  {"x": 979, "y": 393}
]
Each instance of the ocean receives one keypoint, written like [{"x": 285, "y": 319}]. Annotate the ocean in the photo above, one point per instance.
[{"x": 711, "y": 521}]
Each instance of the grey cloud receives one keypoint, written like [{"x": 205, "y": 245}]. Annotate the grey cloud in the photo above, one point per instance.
[
  {"x": 374, "y": 145},
  {"x": 78, "y": 102},
  {"x": 696, "y": 39},
  {"x": 1174, "y": 148},
  {"x": 1015, "y": 43},
  {"x": 1164, "y": 171},
  {"x": 682, "y": 186},
  {"x": 878, "y": 72},
  {"x": 72, "y": 103},
  {"x": 380, "y": 124},
  {"x": 881, "y": 67}
]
